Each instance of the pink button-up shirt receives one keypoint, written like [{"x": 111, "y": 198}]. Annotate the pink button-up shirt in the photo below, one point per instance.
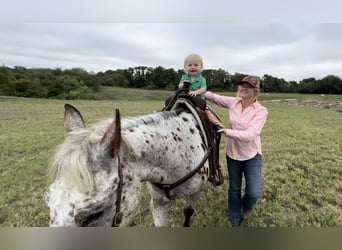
[{"x": 244, "y": 127}]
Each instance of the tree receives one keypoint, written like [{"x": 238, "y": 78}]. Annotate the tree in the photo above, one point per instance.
[
  {"x": 5, "y": 78},
  {"x": 217, "y": 79},
  {"x": 307, "y": 85},
  {"x": 329, "y": 85},
  {"x": 161, "y": 78},
  {"x": 27, "y": 88}
]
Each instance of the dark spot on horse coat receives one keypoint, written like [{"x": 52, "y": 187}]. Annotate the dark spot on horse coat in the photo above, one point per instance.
[
  {"x": 192, "y": 131},
  {"x": 131, "y": 130},
  {"x": 147, "y": 141},
  {"x": 161, "y": 178},
  {"x": 185, "y": 119},
  {"x": 85, "y": 201}
]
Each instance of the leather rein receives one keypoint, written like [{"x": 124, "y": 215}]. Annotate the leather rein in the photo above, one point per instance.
[
  {"x": 118, "y": 214},
  {"x": 168, "y": 187}
]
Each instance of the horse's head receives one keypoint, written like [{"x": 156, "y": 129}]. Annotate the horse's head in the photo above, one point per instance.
[{"x": 86, "y": 174}]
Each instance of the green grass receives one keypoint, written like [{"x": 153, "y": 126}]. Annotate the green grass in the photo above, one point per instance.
[{"x": 301, "y": 173}]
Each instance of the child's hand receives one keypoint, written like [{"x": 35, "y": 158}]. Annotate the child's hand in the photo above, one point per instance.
[{"x": 192, "y": 93}]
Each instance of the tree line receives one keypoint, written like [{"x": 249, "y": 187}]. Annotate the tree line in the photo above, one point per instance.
[{"x": 76, "y": 83}]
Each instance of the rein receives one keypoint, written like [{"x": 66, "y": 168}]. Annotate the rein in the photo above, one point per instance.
[
  {"x": 168, "y": 187},
  {"x": 118, "y": 214}
]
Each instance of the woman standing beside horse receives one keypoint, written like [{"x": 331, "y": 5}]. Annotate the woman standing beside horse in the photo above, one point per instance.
[{"x": 247, "y": 118}]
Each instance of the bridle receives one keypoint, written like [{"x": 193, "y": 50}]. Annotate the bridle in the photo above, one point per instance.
[{"x": 118, "y": 214}]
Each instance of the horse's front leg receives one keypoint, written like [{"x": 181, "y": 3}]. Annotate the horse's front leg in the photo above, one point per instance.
[
  {"x": 189, "y": 209},
  {"x": 160, "y": 206},
  {"x": 188, "y": 212}
]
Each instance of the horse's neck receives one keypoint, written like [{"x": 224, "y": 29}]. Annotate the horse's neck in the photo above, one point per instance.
[
  {"x": 155, "y": 147},
  {"x": 142, "y": 161}
]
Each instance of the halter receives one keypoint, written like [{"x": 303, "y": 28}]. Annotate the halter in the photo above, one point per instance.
[{"x": 118, "y": 214}]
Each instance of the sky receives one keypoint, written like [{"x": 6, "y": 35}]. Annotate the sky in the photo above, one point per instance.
[{"x": 286, "y": 45}]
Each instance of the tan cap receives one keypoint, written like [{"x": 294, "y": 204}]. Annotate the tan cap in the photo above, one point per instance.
[{"x": 251, "y": 80}]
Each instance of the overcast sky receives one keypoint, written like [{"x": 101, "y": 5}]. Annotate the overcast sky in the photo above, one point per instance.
[{"x": 292, "y": 50}]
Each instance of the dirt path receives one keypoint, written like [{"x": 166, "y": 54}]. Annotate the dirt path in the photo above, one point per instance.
[{"x": 335, "y": 105}]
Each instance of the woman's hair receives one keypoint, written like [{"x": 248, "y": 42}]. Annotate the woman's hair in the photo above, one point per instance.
[{"x": 195, "y": 57}]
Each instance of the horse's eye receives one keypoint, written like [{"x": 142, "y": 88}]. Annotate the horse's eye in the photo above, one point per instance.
[{"x": 87, "y": 220}]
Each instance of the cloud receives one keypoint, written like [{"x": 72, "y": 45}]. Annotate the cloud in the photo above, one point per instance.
[{"x": 292, "y": 51}]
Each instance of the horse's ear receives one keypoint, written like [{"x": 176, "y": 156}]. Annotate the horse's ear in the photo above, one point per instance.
[
  {"x": 111, "y": 140},
  {"x": 72, "y": 119}
]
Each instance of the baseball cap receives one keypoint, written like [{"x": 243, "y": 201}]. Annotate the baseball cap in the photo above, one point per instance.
[{"x": 251, "y": 80}]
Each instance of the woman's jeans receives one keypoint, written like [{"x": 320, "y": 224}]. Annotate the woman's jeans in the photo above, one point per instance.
[{"x": 251, "y": 169}]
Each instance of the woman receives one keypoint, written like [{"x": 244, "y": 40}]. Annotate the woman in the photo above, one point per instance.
[{"x": 247, "y": 118}]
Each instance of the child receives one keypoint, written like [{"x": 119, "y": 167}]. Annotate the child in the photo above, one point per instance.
[{"x": 193, "y": 67}]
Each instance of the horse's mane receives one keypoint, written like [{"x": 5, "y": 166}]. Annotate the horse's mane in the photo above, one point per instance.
[
  {"x": 71, "y": 160},
  {"x": 147, "y": 119}
]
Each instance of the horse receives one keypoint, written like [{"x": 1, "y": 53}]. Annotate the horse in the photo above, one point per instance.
[{"x": 97, "y": 171}]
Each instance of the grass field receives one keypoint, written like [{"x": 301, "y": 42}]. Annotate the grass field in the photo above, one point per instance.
[{"x": 301, "y": 173}]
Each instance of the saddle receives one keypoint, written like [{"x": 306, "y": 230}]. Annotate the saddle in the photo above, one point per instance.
[{"x": 196, "y": 106}]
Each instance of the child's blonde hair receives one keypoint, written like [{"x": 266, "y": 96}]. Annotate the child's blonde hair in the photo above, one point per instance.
[{"x": 193, "y": 56}]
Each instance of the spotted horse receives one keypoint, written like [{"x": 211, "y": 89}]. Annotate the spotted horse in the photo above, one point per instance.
[{"x": 97, "y": 172}]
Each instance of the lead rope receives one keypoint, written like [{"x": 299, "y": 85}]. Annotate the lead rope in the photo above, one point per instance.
[{"x": 118, "y": 214}]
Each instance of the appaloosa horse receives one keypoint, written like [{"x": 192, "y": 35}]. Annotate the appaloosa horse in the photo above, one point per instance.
[{"x": 97, "y": 172}]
